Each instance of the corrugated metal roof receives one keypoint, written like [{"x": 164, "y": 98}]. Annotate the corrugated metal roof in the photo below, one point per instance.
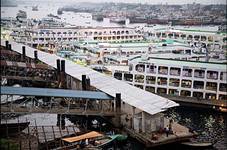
[
  {"x": 134, "y": 96},
  {"x": 29, "y": 91}
]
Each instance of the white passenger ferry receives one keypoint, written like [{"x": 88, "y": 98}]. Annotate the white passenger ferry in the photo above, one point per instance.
[
  {"x": 44, "y": 37},
  {"x": 201, "y": 80}
]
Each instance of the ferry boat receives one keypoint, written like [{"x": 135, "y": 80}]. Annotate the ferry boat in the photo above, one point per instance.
[
  {"x": 34, "y": 8},
  {"x": 178, "y": 78},
  {"x": 213, "y": 39},
  {"x": 21, "y": 14},
  {"x": 99, "y": 34}
]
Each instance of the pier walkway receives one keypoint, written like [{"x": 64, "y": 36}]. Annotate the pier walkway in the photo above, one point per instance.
[{"x": 60, "y": 101}]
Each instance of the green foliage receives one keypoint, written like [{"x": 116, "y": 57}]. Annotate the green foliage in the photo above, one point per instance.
[{"x": 8, "y": 144}]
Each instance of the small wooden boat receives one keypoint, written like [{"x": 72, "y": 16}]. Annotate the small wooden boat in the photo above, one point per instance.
[
  {"x": 110, "y": 139},
  {"x": 12, "y": 128},
  {"x": 198, "y": 144},
  {"x": 92, "y": 140}
]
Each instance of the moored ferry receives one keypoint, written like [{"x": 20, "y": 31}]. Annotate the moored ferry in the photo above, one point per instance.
[{"x": 200, "y": 81}]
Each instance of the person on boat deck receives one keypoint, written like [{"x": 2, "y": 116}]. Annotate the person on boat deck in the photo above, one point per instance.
[
  {"x": 86, "y": 142},
  {"x": 167, "y": 131},
  {"x": 170, "y": 126}
]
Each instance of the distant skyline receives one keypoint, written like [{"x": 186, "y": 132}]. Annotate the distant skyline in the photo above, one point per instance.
[{"x": 143, "y": 1}]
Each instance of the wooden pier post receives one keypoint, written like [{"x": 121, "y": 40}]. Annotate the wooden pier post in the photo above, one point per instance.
[
  {"x": 63, "y": 75},
  {"x": 23, "y": 53},
  {"x": 7, "y": 44},
  {"x": 84, "y": 82},
  {"x": 58, "y": 71},
  {"x": 9, "y": 47},
  {"x": 36, "y": 56},
  {"x": 117, "y": 119},
  {"x": 133, "y": 116},
  {"x": 88, "y": 83},
  {"x": 118, "y": 102},
  {"x": 143, "y": 122}
]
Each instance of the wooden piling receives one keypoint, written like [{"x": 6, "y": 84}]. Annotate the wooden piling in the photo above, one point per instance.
[
  {"x": 83, "y": 82},
  {"x": 36, "y": 56},
  {"x": 23, "y": 53},
  {"x": 9, "y": 47},
  {"x": 6, "y": 44}
]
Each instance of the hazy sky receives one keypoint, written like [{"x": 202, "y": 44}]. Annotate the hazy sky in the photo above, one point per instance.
[{"x": 149, "y": 1}]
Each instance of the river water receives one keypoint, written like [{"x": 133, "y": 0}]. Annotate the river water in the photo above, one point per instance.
[{"x": 210, "y": 125}]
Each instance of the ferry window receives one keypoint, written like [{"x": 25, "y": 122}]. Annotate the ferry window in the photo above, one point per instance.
[
  {"x": 176, "y": 36},
  {"x": 118, "y": 75},
  {"x": 161, "y": 91},
  {"x": 140, "y": 68},
  {"x": 128, "y": 77},
  {"x": 53, "y": 33},
  {"x": 187, "y": 72},
  {"x": 170, "y": 35},
  {"x": 163, "y": 70},
  {"x": 150, "y": 79},
  {"x": 210, "y": 96},
  {"x": 210, "y": 39},
  {"x": 211, "y": 86},
  {"x": 41, "y": 39},
  {"x": 174, "y": 92},
  {"x": 198, "y": 95},
  {"x": 198, "y": 85},
  {"x": 162, "y": 81},
  {"x": 174, "y": 82},
  {"x": 212, "y": 75},
  {"x": 151, "y": 69},
  {"x": 186, "y": 83},
  {"x": 122, "y": 32},
  {"x": 130, "y": 67},
  {"x": 59, "y": 33},
  {"x": 185, "y": 93},
  {"x": 139, "y": 86},
  {"x": 225, "y": 39},
  {"x": 223, "y": 76},
  {"x": 196, "y": 37},
  {"x": 199, "y": 73},
  {"x": 126, "y": 32},
  {"x": 175, "y": 71},
  {"x": 158, "y": 34},
  {"x": 118, "y": 32},
  {"x": 189, "y": 37},
  {"x": 139, "y": 78},
  {"x": 164, "y": 35},
  {"x": 222, "y": 97},
  {"x": 203, "y": 38},
  {"x": 75, "y": 33},
  {"x": 70, "y": 33},
  {"x": 217, "y": 46},
  {"x": 223, "y": 87},
  {"x": 183, "y": 36},
  {"x": 150, "y": 89}
]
